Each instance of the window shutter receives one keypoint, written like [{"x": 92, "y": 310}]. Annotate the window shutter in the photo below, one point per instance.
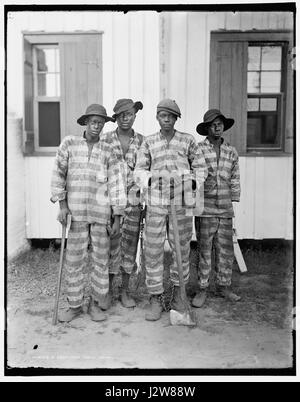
[
  {"x": 28, "y": 98},
  {"x": 289, "y": 106},
  {"x": 81, "y": 66},
  {"x": 228, "y": 87}
]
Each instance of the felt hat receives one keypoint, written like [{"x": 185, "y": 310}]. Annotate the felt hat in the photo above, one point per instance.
[
  {"x": 209, "y": 117},
  {"x": 94, "y": 110},
  {"x": 123, "y": 105},
  {"x": 170, "y": 106}
]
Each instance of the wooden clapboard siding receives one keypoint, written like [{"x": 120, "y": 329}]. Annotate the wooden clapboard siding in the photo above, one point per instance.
[
  {"x": 130, "y": 68},
  {"x": 41, "y": 214},
  {"x": 151, "y": 72},
  {"x": 142, "y": 74},
  {"x": 16, "y": 234},
  {"x": 195, "y": 71},
  {"x": 265, "y": 210}
]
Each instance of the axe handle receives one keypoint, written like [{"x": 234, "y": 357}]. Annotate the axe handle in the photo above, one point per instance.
[
  {"x": 58, "y": 287},
  {"x": 178, "y": 256}
]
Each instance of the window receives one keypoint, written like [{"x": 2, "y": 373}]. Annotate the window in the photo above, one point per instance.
[
  {"x": 265, "y": 88},
  {"x": 46, "y": 96},
  {"x": 62, "y": 75},
  {"x": 251, "y": 81}
]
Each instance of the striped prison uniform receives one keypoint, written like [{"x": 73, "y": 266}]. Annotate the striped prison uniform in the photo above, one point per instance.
[
  {"x": 123, "y": 247},
  {"x": 214, "y": 226},
  {"x": 89, "y": 184},
  {"x": 157, "y": 157}
]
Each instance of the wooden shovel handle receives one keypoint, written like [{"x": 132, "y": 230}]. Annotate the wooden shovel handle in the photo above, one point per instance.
[
  {"x": 58, "y": 286},
  {"x": 178, "y": 255}
]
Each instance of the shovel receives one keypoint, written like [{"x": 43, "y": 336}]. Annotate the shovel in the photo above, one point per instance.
[{"x": 176, "y": 317}]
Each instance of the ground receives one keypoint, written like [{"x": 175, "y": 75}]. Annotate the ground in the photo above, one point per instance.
[{"x": 254, "y": 333}]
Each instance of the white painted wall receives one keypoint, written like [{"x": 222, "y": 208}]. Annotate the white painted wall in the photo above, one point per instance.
[
  {"x": 266, "y": 207},
  {"x": 16, "y": 233},
  {"x": 131, "y": 69},
  {"x": 130, "y": 56}
]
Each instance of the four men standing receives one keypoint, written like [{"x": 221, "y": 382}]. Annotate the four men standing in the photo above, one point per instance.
[{"x": 98, "y": 178}]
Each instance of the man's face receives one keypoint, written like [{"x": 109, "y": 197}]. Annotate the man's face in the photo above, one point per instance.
[
  {"x": 216, "y": 128},
  {"x": 166, "y": 120},
  {"x": 94, "y": 125},
  {"x": 126, "y": 119}
]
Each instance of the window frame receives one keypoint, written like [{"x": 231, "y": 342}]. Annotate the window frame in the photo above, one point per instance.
[
  {"x": 287, "y": 105},
  {"x": 39, "y": 98},
  {"x": 30, "y": 115}
]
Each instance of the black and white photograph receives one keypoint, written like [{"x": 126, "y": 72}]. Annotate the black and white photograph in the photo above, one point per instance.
[{"x": 150, "y": 189}]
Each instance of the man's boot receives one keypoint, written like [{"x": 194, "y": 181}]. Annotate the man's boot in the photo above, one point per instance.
[
  {"x": 95, "y": 312},
  {"x": 154, "y": 313},
  {"x": 104, "y": 301},
  {"x": 200, "y": 298},
  {"x": 177, "y": 302},
  {"x": 126, "y": 300},
  {"x": 69, "y": 314},
  {"x": 224, "y": 291}
]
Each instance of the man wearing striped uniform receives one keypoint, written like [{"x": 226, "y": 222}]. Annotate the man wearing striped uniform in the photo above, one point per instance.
[
  {"x": 84, "y": 183},
  {"x": 125, "y": 142},
  {"x": 167, "y": 159},
  {"x": 221, "y": 188}
]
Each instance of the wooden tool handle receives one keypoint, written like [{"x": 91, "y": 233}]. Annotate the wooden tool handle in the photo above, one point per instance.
[
  {"x": 58, "y": 287},
  {"x": 178, "y": 256}
]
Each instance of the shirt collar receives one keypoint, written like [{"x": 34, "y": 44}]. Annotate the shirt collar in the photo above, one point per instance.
[
  {"x": 164, "y": 138},
  {"x": 209, "y": 143},
  {"x": 84, "y": 137}
]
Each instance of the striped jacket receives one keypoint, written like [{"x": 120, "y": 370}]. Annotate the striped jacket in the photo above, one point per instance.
[
  {"x": 90, "y": 186},
  {"x": 222, "y": 185},
  {"x": 126, "y": 162},
  {"x": 180, "y": 157}
]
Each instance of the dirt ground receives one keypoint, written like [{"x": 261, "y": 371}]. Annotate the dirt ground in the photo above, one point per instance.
[{"x": 253, "y": 333}]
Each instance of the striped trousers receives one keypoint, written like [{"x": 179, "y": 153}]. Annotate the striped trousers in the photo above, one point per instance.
[
  {"x": 214, "y": 232},
  {"x": 123, "y": 247},
  {"x": 76, "y": 257},
  {"x": 157, "y": 220}
]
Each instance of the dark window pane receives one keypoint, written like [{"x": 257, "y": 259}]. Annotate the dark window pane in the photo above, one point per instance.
[
  {"x": 49, "y": 124},
  {"x": 254, "y": 58},
  {"x": 262, "y": 130},
  {"x": 271, "y": 58}
]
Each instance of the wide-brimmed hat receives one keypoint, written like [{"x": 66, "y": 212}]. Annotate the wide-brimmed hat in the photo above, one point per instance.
[
  {"x": 94, "y": 110},
  {"x": 123, "y": 105},
  {"x": 170, "y": 106},
  {"x": 209, "y": 117}
]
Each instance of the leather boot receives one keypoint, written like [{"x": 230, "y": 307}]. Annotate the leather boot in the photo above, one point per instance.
[
  {"x": 104, "y": 301},
  {"x": 154, "y": 313},
  {"x": 177, "y": 302},
  {"x": 126, "y": 300},
  {"x": 200, "y": 298},
  {"x": 224, "y": 291},
  {"x": 95, "y": 312},
  {"x": 69, "y": 314}
]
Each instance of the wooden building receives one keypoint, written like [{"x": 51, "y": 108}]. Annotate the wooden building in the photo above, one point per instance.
[{"x": 59, "y": 62}]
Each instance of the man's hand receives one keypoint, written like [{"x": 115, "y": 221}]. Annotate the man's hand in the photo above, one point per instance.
[
  {"x": 63, "y": 213},
  {"x": 115, "y": 230}
]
